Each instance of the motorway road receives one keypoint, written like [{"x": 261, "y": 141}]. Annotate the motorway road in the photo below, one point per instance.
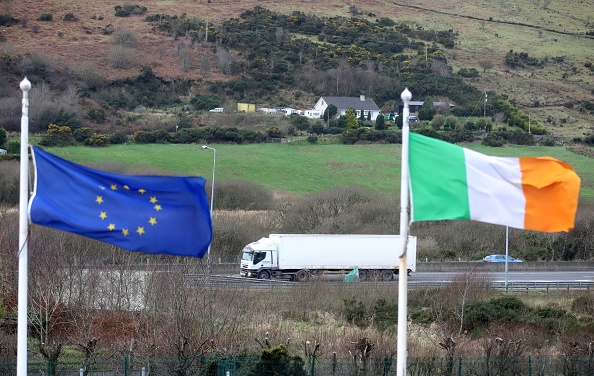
[
  {"x": 548, "y": 276},
  {"x": 436, "y": 277}
]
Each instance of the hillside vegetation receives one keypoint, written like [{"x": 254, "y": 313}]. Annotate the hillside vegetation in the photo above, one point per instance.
[{"x": 104, "y": 65}]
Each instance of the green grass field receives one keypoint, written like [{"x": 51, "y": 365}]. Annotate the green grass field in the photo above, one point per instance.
[{"x": 293, "y": 168}]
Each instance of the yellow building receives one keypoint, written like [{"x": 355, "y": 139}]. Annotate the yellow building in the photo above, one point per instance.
[{"x": 246, "y": 107}]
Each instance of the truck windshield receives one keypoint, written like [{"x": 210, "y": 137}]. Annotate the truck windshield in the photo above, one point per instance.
[{"x": 247, "y": 256}]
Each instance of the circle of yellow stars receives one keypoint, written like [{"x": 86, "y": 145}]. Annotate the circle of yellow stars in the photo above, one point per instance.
[{"x": 125, "y": 231}]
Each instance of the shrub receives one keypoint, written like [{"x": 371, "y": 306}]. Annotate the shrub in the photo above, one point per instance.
[
  {"x": 355, "y": 312},
  {"x": 128, "y": 9},
  {"x": 384, "y": 314},
  {"x": 549, "y": 141},
  {"x": 494, "y": 140},
  {"x": 45, "y": 17},
  {"x": 583, "y": 305},
  {"x": 506, "y": 309},
  {"x": 97, "y": 115},
  {"x": 206, "y": 101},
  {"x": 70, "y": 17},
  {"x": 277, "y": 361},
  {"x": 121, "y": 57},
  {"x": 108, "y": 30},
  {"x": 9, "y": 182},
  {"x": 241, "y": 195},
  {"x": 312, "y": 139},
  {"x": 159, "y": 136},
  {"x": 380, "y": 123},
  {"x": 274, "y": 132},
  {"x": 97, "y": 140},
  {"x": 316, "y": 128},
  {"x": 81, "y": 134},
  {"x": 333, "y": 211},
  {"x": 14, "y": 147},
  {"x": 122, "y": 13},
  {"x": 124, "y": 37},
  {"x": 57, "y": 136},
  {"x": 300, "y": 122},
  {"x": 468, "y": 73},
  {"x": 117, "y": 138}
]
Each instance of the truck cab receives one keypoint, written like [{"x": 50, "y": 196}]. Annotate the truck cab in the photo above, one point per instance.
[{"x": 258, "y": 260}]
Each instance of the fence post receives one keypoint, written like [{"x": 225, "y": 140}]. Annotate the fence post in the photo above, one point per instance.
[
  {"x": 125, "y": 366},
  {"x": 387, "y": 365},
  {"x": 49, "y": 366},
  {"x": 143, "y": 371},
  {"x": 529, "y": 365},
  {"x": 81, "y": 372},
  {"x": 333, "y": 363},
  {"x": 460, "y": 366},
  {"x": 313, "y": 366}
]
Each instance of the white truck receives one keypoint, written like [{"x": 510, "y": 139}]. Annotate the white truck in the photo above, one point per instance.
[{"x": 298, "y": 256}]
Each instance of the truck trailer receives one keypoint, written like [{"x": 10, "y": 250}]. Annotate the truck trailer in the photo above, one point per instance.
[{"x": 296, "y": 257}]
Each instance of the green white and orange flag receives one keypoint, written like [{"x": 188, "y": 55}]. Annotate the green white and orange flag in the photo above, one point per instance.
[{"x": 451, "y": 182}]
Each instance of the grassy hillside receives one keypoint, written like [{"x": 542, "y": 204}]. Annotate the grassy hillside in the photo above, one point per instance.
[
  {"x": 293, "y": 168},
  {"x": 554, "y": 33}
]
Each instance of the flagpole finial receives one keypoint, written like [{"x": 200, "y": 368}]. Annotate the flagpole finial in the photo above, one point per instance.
[
  {"x": 406, "y": 95},
  {"x": 25, "y": 85}
]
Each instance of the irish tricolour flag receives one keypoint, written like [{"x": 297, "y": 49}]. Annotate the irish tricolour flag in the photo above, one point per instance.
[{"x": 451, "y": 182}]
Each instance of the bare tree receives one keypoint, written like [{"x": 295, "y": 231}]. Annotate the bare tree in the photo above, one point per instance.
[
  {"x": 121, "y": 57},
  {"x": 225, "y": 59},
  {"x": 441, "y": 68},
  {"x": 48, "y": 290},
  {"x": 124, "y": 37},
  {"x": 205, "y": 63},
  {"x": 486, "y": 65},
  {"x": 186, "y": 58}
]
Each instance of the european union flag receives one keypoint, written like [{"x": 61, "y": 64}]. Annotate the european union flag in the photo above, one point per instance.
[{"x": 152, "y": 214}]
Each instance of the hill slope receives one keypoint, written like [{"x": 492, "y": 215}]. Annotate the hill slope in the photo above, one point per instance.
[{"x": 554, "y": 33}]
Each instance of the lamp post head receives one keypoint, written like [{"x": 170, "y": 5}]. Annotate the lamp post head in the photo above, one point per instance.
[{"x": 406, "y": 95}]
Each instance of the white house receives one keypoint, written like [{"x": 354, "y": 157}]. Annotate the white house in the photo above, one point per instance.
[{"x": 366, "y": 105}]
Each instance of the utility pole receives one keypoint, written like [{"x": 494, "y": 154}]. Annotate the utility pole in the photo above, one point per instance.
[{"x": 485, "y": 105}]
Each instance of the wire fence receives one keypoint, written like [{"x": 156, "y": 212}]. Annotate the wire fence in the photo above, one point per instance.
[{"x": 253, "y": 365}]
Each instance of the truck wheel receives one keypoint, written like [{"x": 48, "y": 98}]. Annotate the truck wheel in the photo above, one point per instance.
[
  {"x": 386, "y": 275},
  {"x": 301, "y": 276},
  {"x": 363, "y": 275},
  {"x": 264, "y": 274},
  {"x": 374, "y": 275}
]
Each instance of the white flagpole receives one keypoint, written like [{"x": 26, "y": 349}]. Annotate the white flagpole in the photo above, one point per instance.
[
  {"x": 23, "y": 234},
  {"x": 406, "y": 96}
]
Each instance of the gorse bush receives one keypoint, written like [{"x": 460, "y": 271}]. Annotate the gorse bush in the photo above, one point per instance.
[
  {"x": 58, "y": 136},
  {"x": 97, "y": 140}
]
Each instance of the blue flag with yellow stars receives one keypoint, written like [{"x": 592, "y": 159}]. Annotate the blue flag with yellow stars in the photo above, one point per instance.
[{"x": 152, "y": 214}]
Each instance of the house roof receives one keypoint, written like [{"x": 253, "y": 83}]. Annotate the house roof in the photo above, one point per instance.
[{"x": 343, "y": 103}]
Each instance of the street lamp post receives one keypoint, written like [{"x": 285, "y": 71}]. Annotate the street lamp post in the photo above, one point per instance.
[{"x": 214, "y": 165}]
